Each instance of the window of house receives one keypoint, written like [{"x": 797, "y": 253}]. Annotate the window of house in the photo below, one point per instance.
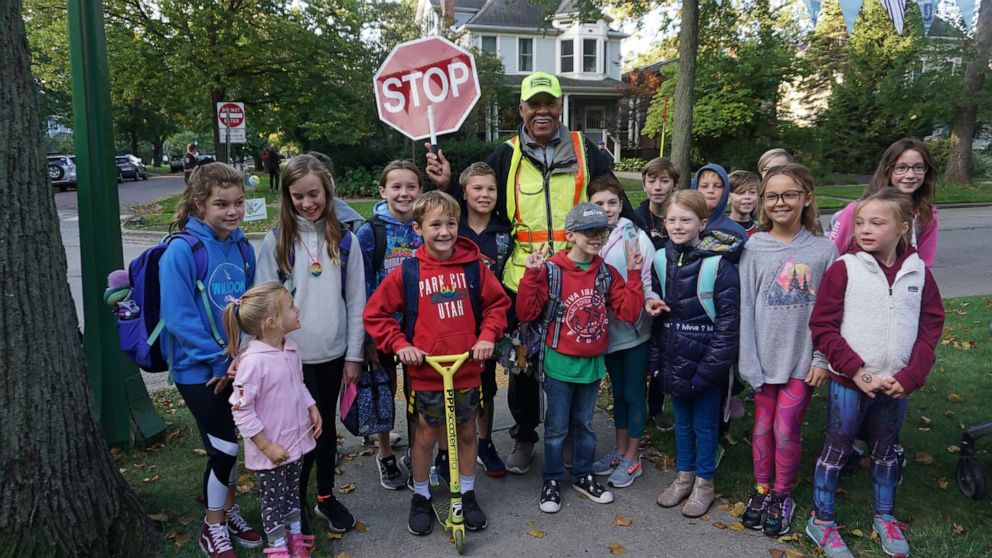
[
  {"x": 567, "y": 56},
  {"x": 489, "y": 44},
  {"x": 525, "y": 55},
  {"x": 589, "y": 55},
  {"x": 595, "y": 118}
]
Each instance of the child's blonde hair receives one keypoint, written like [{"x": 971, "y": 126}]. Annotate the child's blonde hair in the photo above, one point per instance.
[
  {"x": 801, "y": 176},
  {"x": 432, "y": 200},
  {"x": 201, "y": 185},
  {"x": 767, "y": 157},
  {"x": 902, "y": 207},
  {"x": 691, "y": 200},
  {"x": 299, "y": 167},
  {"x": 400, "y": 164},
  {"x": 248, "y": 313},
  {"x": 475, "y": 169}
]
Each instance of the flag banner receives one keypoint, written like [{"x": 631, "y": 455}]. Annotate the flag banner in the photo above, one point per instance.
[
  {"x": 814, "y": 9},
  {"x": 927, "y": 11},
  {"x": 968, "y": 11},
  {"x": 850, "y": 9},
  {"x": 896, "y": 10}
]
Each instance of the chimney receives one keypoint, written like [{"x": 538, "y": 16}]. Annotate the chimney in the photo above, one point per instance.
[{"x": 447, "y": 15}]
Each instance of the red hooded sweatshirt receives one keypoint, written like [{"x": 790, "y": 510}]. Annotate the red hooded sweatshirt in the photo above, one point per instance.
[
  {"x": 585, "y": 328},
  {"x": 445, "y": 324}
]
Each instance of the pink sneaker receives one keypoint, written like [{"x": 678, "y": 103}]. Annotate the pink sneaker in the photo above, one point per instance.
[
  {"x": 277, "y": 552},
  {"x": 300, "y": 545},
  {"x": 240, "y": 530}
]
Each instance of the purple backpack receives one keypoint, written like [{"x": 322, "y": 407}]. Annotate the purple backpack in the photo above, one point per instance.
[{"x": 139, "y": 324}]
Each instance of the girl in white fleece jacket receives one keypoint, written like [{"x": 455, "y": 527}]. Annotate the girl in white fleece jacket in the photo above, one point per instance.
[{"x": 321, "y": 264}]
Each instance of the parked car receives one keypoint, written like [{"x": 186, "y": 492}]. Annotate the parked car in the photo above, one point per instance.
[
  {"x": 62, "y": 171},
  {"x": 176, "y": 164},
  {"x": 130, "y": 167}
]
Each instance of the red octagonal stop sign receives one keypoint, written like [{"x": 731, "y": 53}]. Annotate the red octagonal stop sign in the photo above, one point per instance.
[{"x": 431, "y": 72}]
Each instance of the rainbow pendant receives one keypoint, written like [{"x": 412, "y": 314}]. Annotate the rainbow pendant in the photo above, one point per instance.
[{"x": 316, "y": 269}]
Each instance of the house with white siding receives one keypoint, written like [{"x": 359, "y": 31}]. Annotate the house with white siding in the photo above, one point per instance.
[{"x": 582, "y": 50}]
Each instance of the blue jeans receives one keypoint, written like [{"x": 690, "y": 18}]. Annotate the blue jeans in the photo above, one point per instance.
[
  {"x": 569, "y": 403},
  {"x": 882, "y": 418},
  {"x": 697, "y": 429}
]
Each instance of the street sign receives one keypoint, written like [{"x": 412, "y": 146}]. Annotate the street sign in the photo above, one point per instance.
[
  {"x": 231, "y": 121},
  {"x": 426, "y": 87}
]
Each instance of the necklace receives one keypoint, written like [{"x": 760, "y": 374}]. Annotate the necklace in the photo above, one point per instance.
[{"x": 315, "y": 268}]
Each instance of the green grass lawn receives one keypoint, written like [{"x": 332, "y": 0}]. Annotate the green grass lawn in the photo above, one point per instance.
[{"x": 942, "y": 522}]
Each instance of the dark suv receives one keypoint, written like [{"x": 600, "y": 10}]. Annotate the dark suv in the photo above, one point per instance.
[{"x": 62, "y": 171}]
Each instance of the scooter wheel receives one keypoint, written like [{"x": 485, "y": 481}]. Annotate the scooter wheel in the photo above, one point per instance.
[
  {"x": 971, "y": 479},
  {"x": 459, "y": 541}
]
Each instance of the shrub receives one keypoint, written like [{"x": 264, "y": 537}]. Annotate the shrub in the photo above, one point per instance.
[
  {"x": 358, "y": 183},
  {"x": 635, "y": 164},
  {"x": 939, "y": 148}
]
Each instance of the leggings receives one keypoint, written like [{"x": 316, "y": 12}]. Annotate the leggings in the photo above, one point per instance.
[
  {"x": 627, "y": 369},
  {"x": 324, "y": 383},
  {"x": 216, "y": 425},
  {"x": 279, "y": 490},
  {"x": 883, "y": 418},
  {"x": 776, "y": 445}
]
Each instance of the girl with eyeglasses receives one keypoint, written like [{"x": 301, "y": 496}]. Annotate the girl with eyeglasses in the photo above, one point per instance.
[
  {"x": 780, "y": 274},
  {"x": 907, "y": 166}
]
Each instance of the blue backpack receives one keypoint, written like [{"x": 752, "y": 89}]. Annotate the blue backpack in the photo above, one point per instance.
[
  {"x": 139, "y": 324},
  {"x": 705, "y": 281}
]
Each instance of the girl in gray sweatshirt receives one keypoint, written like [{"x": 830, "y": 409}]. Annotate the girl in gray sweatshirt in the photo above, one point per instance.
[{"x": 780, "y": 273}]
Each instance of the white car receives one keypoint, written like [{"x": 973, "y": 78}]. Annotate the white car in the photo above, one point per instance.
[{"x": 62, "y": 171}]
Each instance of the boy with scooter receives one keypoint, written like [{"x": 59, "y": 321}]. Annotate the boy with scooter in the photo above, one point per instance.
[{"x": 450, "y": 304}]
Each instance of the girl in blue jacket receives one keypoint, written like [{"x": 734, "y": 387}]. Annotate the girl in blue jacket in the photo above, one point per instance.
[
  {"x": 200, "y": 273},
  {"x": 696, "y": 343}
]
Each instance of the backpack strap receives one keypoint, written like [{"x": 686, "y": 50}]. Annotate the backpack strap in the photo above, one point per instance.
[
  {"x": 661, "y": 268},
  {"x": 411, "y": 296},
  {"x": 502, "y": 252},
  {"x": 553, "y": 308},
  {"x": 379, "y": 236},
  {"x": 283, "y": 277},
  {"x": 473, "y": 277},
  {"x": 344, "y": 252},
  {"x": 604, "y": 280},
  {"x": 200, "y": 262},
  {"x": 705, "y": 284}
]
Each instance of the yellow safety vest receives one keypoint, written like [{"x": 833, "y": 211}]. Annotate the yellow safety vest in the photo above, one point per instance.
[{"x": 531, "y": 198}]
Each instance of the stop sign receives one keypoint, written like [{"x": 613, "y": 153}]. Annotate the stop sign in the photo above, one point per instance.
[
  {"x": 431, "y": 72},
  {"x": 231, "y": 115}
]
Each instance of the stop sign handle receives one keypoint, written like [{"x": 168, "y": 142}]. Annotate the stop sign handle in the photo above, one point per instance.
[{"x": 430, "y": 125}]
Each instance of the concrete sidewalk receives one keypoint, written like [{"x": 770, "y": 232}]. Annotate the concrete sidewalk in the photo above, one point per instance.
[{"x": 581, "y": 528}]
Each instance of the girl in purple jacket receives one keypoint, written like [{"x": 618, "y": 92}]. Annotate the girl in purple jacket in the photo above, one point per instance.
[{"x": 273, "y": 409}]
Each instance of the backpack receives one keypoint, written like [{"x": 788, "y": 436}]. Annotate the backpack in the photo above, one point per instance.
[
  {"x": 411, "y": 293},
  {"x": 372, "y": 409},
  {"x": 502, "y": 252},
  {"x": 379, "y": 245},
  {"x": 704, "y": 282},
  {"x": 343, "y": 252},
  {"x": 139, "y": 324}
]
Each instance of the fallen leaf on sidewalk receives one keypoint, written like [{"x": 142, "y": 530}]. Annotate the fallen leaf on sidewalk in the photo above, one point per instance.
[
  {"x": 617, "y": 550},
  {"x": 942, "y": 483},
  {"x": 706, "y": 517},
  {"x": 953, "y": 449},
  {"x": 793, "y": 553},
  {"x": 788, "y": 538},
  {"x": 339, "y": 471},
  {"x": 200, "y": 451},
  {"x": 361, "y": 527},
  {"x": 857, "y": 533},
  {"x": 347, "y": 488},
  {"x": 958, "y": 529},
  {"x": 924, "y": 458},
  {"x": 536, "y": 533},
  {"x": 736, "y": 527},
  {"x": 332, "y": 536},
  {"x": 719, "y": 525},
  {"x": 738, "y": 509},
  {"x": 342, "y": 555},
  {"x": 181, "y": 539},
  {"x": 874, "y": 535},
  {"x": 152, "y": 479},
  {"x": 621, "y": 521},
  {"x": 926, "y": 421},
  {"x": 953, "y": 397},
  {"x": 776, "y": 552}
]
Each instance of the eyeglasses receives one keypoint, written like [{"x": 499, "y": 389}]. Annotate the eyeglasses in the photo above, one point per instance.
[
  {"x": 595, "y": 233},
  {"x": 791, "y": 196},
  {"x": 903, "y": 169}
]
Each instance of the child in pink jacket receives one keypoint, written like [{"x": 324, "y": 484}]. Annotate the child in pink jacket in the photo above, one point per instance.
[{"x": 273, "y": 410}]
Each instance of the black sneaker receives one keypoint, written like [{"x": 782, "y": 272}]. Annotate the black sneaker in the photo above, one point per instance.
[
  {"x": 488, "y": 457},
  {"x": 441, "y": 468},
  {"x": 589, "y": 486},
  {"x": 475, "y": 518},
  {"x": 421, "y": 516},
  {"x": 754, "y": 513},
  {"x": 390, "y": 476},
  {"x": 551, "y": 497},
  {"x": 778, "y": 518},
  {"x": 331, "y": 510}
]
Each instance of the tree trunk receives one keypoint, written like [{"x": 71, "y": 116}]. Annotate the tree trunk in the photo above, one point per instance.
[
  {"x": 965, "y": 116},
  {"x": 682, "y": 116},
  {"x": 61, "y": 493},
  {"x": 134, "y": 143},
  {"x": 157, "y": 151}
]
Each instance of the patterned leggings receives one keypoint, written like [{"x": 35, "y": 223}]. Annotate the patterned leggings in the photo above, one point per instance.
[
  {"x": 882, "y": 418},
  {"x": 776, "y": 445},
  {"x": 280, "y": 493}
]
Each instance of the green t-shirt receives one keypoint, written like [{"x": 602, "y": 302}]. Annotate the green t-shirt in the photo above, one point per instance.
[{"x": 573, "y": 369}]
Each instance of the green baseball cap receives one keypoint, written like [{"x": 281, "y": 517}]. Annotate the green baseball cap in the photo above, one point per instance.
[{"x": 539, "y": 82}]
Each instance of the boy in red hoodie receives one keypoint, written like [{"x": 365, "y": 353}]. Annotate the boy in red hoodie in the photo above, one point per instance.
[
  {"x": 447, "y": 274},
  {"x": 569, "y": 293}
]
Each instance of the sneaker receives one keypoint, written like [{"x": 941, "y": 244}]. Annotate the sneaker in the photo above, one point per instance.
[
  {"x": 663, "y": 423},
  {"x": 606, "y": 464},
  {"x": 440, "y": 470},
  {"x": 518, "y": 462},
  {"x": 754, "y": 512},
  {"x": 475, "y": 518},
  {"x": 421, "y": 516},
  {"x": 215, "y": 541},
  {"x": 373, "y": 441},
  {"x": 551, "y": 497},
  {"x": 589, "y": 486},
  {"x": 489, "y": 459},
  {"x": 778, "y": 518},
  {"x": 827, "y": 537},
  {"x": 625, "y": 473},
  {"x": 405, "y": 464},
  {"x": 331, "y": 510},
  {"x": 278, "y": 552},
  {"x": 890, "y": 533},
  {"x": 300, "y": 545},
  {"x": 390, "y": 476},
  {"x": 241, "y": 532}
]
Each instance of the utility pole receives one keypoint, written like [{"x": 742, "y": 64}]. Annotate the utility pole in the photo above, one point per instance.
[{"x": 119, "y": 394}]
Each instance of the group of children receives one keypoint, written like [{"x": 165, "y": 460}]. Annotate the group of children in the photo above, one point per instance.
[{"x": 691, "y": 299}]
